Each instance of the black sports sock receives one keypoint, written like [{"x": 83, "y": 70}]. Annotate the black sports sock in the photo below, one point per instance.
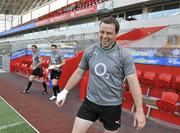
[
  {"x": 28, "y": 85},
  {"x": 55, "y": 90},
  {"x": 44, "y": 85}
]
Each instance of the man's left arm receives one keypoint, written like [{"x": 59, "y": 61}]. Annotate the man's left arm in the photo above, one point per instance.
[
  {"x": 40, "y": 63},
  {"x": 61, "y": 64},
  {"x": 135, "y": 89}
]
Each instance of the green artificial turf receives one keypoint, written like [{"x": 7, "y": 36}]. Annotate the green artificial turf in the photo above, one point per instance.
[{"x": 12, "y": 122}]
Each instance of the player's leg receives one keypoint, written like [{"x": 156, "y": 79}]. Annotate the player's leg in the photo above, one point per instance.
[
  {"x": 86, "y": 116},
  {"x": 111, "y": 119},
  {"x": 45, "y": 88},
  {"x": 43, "y": 81},
  {"x": 55, "y": 89},
  {"x": 31, "y": 78},
  {"x": 81, "y": 125},
  {"x": 55, "y": 75},
  {"x": 45, "y": 91}
]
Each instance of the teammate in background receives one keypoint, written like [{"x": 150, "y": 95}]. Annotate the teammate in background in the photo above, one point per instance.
[
  {"x": 36, "y": 70},
  {"x": 108, "y": 64},
  {"x": 57, "y": 61}
]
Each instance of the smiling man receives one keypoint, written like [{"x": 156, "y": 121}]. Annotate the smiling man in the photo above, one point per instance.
[{"x": 108, "y": 64}]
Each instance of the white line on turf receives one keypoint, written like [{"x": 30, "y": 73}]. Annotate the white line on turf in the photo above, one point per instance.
[
  {"x": 19, "y": 114},
  {"x": 11, "y": 125}
]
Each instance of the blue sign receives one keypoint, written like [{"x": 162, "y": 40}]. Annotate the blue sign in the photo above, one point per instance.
[
  {"x": 156, "y": 56},
  {"x": 66, "y": 52},
  {"x": 157, "y": 60},
  {"x": 17, "y": 54},
  {"x": 18, "y": 29},
  {"x": 41, "y": 53}
]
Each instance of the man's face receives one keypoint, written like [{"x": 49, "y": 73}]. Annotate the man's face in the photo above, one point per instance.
[
  {"x": 107, "y": 35},
  {"x": 54, "y": 50},
  {"x": 33, "y": 49}
]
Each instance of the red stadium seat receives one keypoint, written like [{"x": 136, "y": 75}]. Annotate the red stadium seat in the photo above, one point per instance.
[
  {"x": 139, "y": 74},
  {"x": 128, "y": 97},
  {"x": 147, "y": 81},
  {"x": 43, "y": 63},
  {"x": 170, "y": 97},
  {"x": 167, "y": 103},
  {"x": 128, "y": 101},
  {"x": 176, "y": 84},
  {"x": 164, "y": 80},
  {"x": 45, "y": 74},
  {"x": 47, "y": 61},
  {"x": 165, "y": 106},
  {"x": 162, "y": 83},
  {"x": 178, "y": 109}
]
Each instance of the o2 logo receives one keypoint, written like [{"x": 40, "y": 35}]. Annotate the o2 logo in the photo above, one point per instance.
[
  {"x": 53, "y": 61},
  {"x": 104, "y": 70}
]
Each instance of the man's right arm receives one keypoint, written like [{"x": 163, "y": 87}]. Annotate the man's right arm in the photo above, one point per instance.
[
  {"x": 74, "y": 79},
  {"x": 72, "y": 82}
]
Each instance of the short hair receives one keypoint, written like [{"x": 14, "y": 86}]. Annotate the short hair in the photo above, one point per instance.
[
  {"x": 34, "y": 46},
  {"x": 53, "y": 45},
  {"x": 111, "y": 20}
]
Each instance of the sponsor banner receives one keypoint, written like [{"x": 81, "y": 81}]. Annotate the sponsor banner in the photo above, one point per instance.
[
  {"x": 156, "y": 56},
  {"x": 68, "y": 52},
  {"x": 157, "y": 61},
  {"x": 68, "y": 16},
  {"x": 155, "y": 52},
  {"x": 41, "y": 53},
  {"x": 18, "y": 54},
  {"x": 18, "y": 29}
]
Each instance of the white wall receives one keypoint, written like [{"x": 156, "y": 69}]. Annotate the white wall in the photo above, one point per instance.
[
  {"x": 173, "y": 20},
  {"x": 5, "y": 62},
  {"x": 121, "y": 3}
]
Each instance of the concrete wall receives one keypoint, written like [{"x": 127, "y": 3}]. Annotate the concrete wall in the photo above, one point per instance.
[{"x": 5, "y": 62}]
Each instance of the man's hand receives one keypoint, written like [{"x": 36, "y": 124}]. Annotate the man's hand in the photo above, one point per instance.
[
  {"x": 32, "y": 67},
  {"x": 61, "y": 98},
  {"x": 139, "y": 119},
  {"x": 51, "y": 67}
]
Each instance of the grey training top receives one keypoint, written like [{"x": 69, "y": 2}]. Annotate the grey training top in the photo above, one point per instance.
[
  {"x": 108, "y": 69},
  {"x": 56, "y": 58},
  {"x": 35, "y": 59}
]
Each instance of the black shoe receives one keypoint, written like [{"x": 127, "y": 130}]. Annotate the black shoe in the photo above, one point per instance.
[
  {"x": 44, "y": 92},
  {"x": 25, "y": 91}
]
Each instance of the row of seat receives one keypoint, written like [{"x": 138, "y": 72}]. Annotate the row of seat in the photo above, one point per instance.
[
  {"x": 24, "y": 67},
  {"x": 167, "y": 103},
  {"x": 165, "y": 108},
  {"x": 153, "y": 84}
]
